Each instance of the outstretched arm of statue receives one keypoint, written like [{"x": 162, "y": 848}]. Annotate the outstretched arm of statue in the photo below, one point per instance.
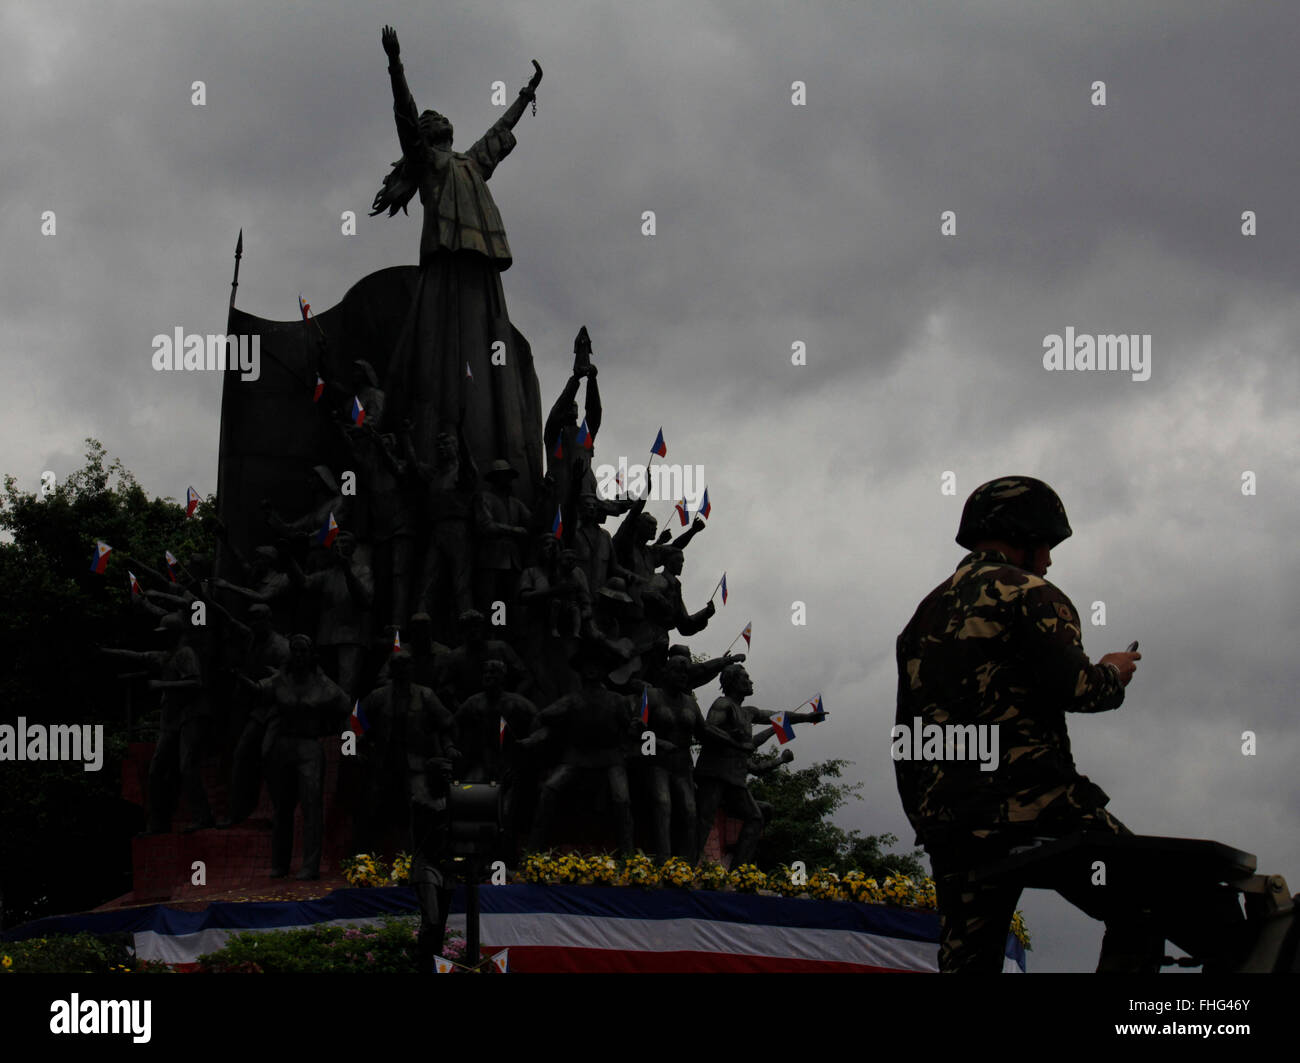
[
  {"x": 684, "y": 540},
  {"x": 404, "y": 109},
  {"x": 526, "y": 95}
]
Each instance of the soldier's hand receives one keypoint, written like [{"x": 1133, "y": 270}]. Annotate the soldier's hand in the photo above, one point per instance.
[
  {"x": 698, "y": 524},
  {"x": 734, "y": 658},
  {"x": 1123, "y": 663}
]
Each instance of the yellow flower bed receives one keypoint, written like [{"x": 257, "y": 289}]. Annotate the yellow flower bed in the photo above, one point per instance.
[{"x": 574, "y": 869}]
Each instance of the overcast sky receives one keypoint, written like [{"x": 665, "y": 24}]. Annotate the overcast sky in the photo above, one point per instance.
[{"x": 776, "y": 224}]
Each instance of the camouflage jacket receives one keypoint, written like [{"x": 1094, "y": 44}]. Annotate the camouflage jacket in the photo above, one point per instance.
[{"x": 995, "y": 644}]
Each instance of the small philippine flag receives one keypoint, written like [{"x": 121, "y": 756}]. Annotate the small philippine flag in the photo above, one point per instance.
[
  {"x": 557, "y": 525},
  {"x": 724, "y": 588},
  {"x": 558, "y": 452},
  {"x": 660, "y": 447},
  {"x": 99, "y": 559},
  {"x": 442, "y": 965},
  {"x": 328, "y": 533},
  {"x": 397, "y": 641},
  {"x": 469, "y": 375},
  {"x": 706, "y": 507},
  {"x": 358, "y": 412},
  {"x": 191, "y": 501},
  {"x": 818, "y": 711},
  {"x": 303, "y": 308},
  {"x": 357, "y": 721},
  {"x": 136, "y": 590},
  {"x": 502, "y": 738},
  {"x": 749, "y": 630},
  {"x": 645, "y": 705},
  {"x": 502, "y": 961},
  {"x": 171, "y": 565},
  {"x": 683, "y": 511},
  {"x": 783, "y": 727},
  {"x": 584, "y": 436},
  {"x": 319, "y": 389}
]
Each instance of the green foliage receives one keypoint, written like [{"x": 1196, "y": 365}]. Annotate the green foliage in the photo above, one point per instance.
[
  {"x": 388, "y": 948},
  {"x": 803, "y": 802},
  {"x": 66, "y": 840},
  {"x": 74, "y": 954}
]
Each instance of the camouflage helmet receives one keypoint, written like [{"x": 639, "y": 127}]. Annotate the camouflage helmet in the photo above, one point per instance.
[{"x": 1019, "y": 509}]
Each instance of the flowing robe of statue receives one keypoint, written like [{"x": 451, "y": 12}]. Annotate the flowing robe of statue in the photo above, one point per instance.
[{"x": 442, "y": 373}]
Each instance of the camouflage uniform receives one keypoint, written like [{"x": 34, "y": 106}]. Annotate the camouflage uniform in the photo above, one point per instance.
[{"x": 997, "y": 645}]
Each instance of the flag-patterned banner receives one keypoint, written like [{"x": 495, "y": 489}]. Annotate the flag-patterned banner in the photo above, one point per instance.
[{"x": 587, "y": 929}]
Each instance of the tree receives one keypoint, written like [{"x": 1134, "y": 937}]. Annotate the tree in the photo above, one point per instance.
[
  {"x": 800, "y": 828},
  {"x": 66, "y": 838}
]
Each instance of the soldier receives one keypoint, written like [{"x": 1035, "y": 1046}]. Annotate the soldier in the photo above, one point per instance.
[
  {"x": 722, "y": 768},
  {"x": 306, "y": 705},
  {"x": 996, "y": 645}
]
